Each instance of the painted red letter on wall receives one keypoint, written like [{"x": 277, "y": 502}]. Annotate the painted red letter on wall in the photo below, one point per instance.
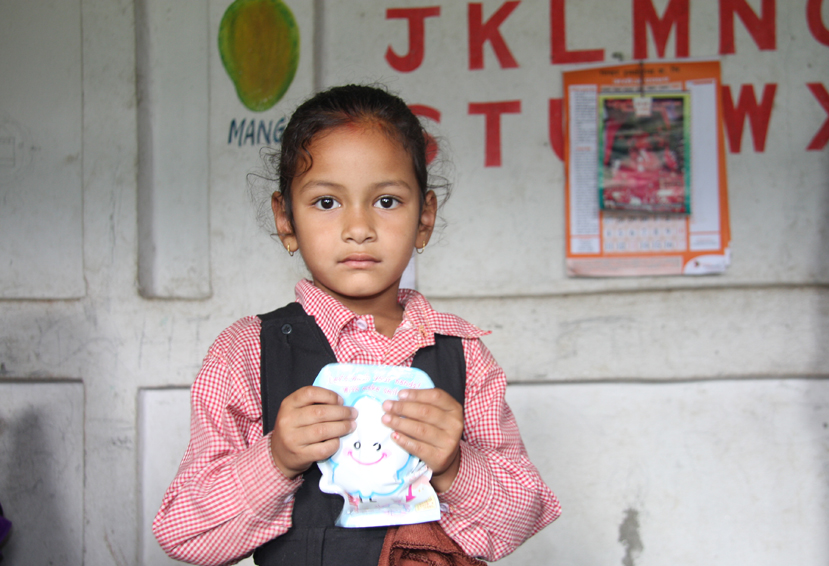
[
  {"x": 417, "y": 33},
  {"x": 644, "y": 14},
  {"x": 480, "y": 32},
  {"x": 822, "y": 137},
  {"x": 556, "y": 126},
  {"x": 759, "y": 116},
  {"x": 492, "y": 112},
  {"x": 762, "y": 29},
  {"x": 558, "y": 40},
  {"x": 433, "y": 114},
  {"x": 815, "y": 21}
]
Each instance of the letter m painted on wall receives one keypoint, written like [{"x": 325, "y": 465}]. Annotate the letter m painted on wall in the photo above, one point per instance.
[{"x": 644, "y": 15}]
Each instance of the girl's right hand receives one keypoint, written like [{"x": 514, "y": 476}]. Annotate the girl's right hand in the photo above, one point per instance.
[{"x": 308, "y": 428}]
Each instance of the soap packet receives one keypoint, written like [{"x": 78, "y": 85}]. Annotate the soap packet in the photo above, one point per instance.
[{"x": 381, "y": 484}]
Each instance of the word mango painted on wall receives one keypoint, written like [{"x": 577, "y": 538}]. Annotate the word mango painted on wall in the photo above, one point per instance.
[{"x": 256, "y": 132}]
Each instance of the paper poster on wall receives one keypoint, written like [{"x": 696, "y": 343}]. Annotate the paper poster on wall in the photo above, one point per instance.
[
  {"x": 646, "y": 187},
  {"x": 643, "y": 153}
]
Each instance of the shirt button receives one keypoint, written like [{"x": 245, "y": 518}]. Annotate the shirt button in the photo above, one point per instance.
[
  {"x": 286, "y": 329},
  {"x": 361, "y": 324}
]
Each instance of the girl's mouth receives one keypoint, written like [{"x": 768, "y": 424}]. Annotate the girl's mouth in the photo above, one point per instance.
[
  {"x": 360, "y": 260},
  {"x": 382, "y": 455}
]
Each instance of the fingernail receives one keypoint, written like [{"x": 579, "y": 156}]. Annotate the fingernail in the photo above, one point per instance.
[
  {"x": 403, "y": 394},
  {"x": 386, "y": 418},
  {"x": 387, "y": 406},
  {"x": 354, "y": 413},
  {"x": 340, "y": 400}
]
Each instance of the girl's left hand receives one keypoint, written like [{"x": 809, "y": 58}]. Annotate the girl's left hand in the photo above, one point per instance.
[{"x": 428, "y": 424}]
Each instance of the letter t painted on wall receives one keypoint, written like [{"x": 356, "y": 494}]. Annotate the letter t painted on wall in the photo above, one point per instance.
[{"x": 492, "y": 112}]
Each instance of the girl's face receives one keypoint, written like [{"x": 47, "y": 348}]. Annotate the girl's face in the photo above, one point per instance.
[{"x": 357, "y": 215}]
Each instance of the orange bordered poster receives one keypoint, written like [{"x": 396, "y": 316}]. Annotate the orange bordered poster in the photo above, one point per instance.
[{"x": 617, "y": 243}]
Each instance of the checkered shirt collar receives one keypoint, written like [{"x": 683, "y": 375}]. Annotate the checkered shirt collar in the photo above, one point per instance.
[{"x": 332, "y": 316}]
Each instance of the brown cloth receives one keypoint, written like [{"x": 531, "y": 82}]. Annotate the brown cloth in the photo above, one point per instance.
[{"x": 424, "y": 543}]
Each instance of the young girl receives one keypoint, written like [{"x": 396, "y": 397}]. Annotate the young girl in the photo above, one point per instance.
[{"x": 355, "y": 202}]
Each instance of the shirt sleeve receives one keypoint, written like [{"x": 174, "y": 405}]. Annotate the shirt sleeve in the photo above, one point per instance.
[
  {"x": 498, "y": 500},
  {"x": 228, "y": 498}
]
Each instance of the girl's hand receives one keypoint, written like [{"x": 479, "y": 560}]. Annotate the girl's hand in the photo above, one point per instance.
[
  {"x": 428, "y": 424},
  {"x": 308, "y": 428}
]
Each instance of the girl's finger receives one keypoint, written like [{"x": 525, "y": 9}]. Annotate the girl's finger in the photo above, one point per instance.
[
  {"x": 295, "y": 461},
  {"x": 322, "y": 433},
  {"x": 312, "y": 395},
  {"x": 437, "y": 458},
  {"x": 436, "y": 397},
  {"x": 325, "y": 450},
  {"x": 314, "y": 414},
  {"x": 397, "y": 412},
  {"x": 421, "y": 437},
  {"x": 413, "y": 447},
  {"x": 420, "y": 412},
  {"x": 415, "y": 429},
  {"x": 416, "y": 448}
]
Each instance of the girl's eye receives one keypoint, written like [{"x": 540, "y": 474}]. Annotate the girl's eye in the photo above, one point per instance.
[
  {"x": 387, "y": 202},
  {"x": 326, "y": 203},
  {"x": 357, "y": 445},
  {"x": 376, "y": 446}
]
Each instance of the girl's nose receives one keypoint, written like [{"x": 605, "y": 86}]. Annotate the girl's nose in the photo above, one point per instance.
[{"x": 358, "y": 225}]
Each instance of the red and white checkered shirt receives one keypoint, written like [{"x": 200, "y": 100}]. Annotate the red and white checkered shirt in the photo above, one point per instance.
[{"x": 228, "y": 498}]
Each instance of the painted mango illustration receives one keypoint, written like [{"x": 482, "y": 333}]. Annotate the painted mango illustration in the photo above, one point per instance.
[{"x": 259, "y": 46}]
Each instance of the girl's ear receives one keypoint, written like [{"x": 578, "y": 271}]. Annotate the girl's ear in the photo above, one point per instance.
[
  {"x": 284, "y": 229},
  {"x": 428, "y": 217}
]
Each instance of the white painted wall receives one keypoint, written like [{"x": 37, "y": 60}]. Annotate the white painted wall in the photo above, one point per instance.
[{"x": 699, "y": 403}]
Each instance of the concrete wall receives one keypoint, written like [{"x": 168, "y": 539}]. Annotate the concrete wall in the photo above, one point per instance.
[{"x": 679, "y": 419}]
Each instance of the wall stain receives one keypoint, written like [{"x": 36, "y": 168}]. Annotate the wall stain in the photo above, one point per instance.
[{"x": 629, "y": 537}]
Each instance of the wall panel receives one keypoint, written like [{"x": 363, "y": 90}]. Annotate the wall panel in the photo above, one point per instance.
[
  {"x": 42, "y": 471},
  {"x": 696, "y": 473},
  {"x": 41, "y": 204}
]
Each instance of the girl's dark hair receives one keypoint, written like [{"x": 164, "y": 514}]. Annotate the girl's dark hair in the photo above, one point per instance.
[{"x": 341, "y": 106}]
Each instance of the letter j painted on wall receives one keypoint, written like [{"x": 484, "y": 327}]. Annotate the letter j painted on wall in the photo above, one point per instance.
[{"x": 259, "y": 47}]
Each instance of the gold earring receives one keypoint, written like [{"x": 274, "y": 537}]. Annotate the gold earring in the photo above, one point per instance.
[
  {"x": 421, "y": 248},
  {"x": 290, "y": 253}
]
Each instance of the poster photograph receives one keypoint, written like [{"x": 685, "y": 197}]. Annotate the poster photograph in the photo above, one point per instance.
[{"x": 643, "y": 152}]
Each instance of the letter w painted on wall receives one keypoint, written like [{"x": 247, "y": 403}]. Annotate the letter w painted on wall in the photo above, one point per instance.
[{"x": 758, "y": 115}]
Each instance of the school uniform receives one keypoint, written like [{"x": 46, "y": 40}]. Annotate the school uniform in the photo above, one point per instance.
[{"x": 228, "y": 498}]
